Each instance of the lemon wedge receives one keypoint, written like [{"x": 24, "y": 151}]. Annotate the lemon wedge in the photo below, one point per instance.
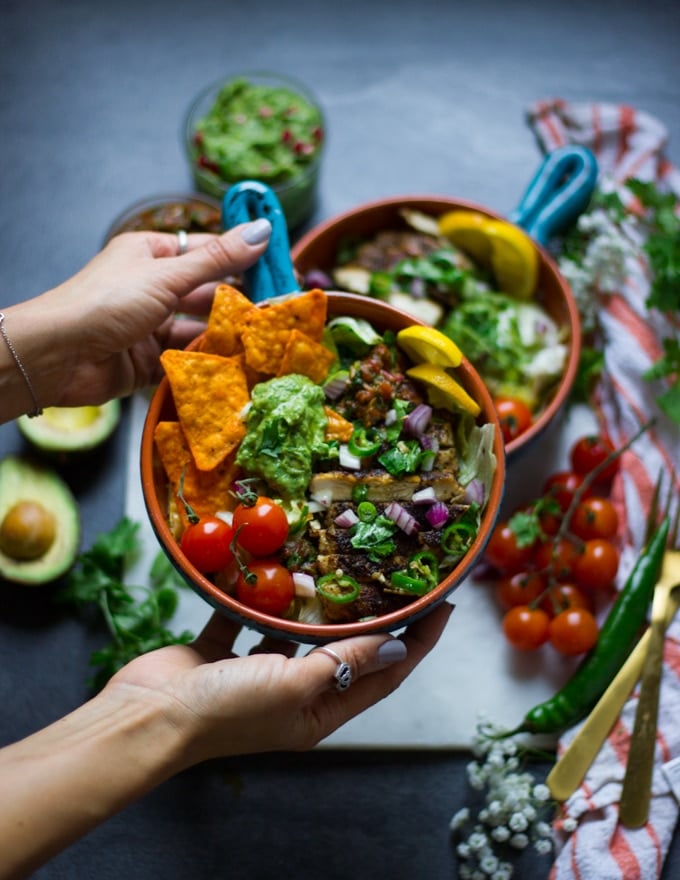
[
  {"x": 514, "y": 258},
  {"x": 504, "y": 248},
  {"x": 442, "y": 389},
  {"x": 427, "y": 345},
  {"x": 466, "y": 230}
]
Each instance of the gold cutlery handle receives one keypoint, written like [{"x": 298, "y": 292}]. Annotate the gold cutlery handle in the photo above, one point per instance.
[
  {"x": 637, "y": 783},
  {"x": 570, "y": 769}
]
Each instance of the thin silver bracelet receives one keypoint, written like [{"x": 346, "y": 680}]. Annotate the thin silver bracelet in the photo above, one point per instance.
[{"x": 37, "y": 409}]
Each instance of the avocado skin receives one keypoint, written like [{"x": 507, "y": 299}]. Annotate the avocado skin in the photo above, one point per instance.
[
  {"x": 22, "y": 479},
  {"x": 43, "y": 435}
]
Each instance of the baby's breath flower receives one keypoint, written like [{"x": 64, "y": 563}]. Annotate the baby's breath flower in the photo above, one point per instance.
[
  {"x": 460, "y": 818},
  {"x": 519, "y": 841},
  {"x": 504, "y": 871},
  {"x": 569, "y": 824},
  {"x": 541, "y": 792},
  {"x": 518, "y": 822},
  {"x": 489, "y": 863},
  {"x": 543, "y": 846},
  {"x": 477, "y": 840},
  {"x": 500, "y": 833}
]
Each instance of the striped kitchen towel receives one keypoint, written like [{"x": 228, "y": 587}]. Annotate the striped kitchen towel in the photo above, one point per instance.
[{"x": 628, "y": 143}]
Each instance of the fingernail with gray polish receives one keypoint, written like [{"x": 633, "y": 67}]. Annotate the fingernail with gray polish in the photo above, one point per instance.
[
  {"x": 257, "y": 231},
  {"x": 392, "y": 651}
]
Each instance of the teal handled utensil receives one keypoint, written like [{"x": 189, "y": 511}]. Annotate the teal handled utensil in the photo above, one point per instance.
[
  {"x": 557, "y": 194},
  {"x": 272, "y": 275}
]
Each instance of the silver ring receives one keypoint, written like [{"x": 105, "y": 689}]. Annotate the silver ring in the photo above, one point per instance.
[
  {"x": 182, "y": 241},
  {"x": 343, "y": 673}
]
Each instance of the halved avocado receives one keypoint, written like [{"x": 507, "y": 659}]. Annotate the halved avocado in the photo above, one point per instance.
[
  {"x": 39, "y": 523},
  {"x": 71, "y": 428}
]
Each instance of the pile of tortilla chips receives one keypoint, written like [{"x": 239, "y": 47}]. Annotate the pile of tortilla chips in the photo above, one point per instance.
[{"x": 243, "y": 344}]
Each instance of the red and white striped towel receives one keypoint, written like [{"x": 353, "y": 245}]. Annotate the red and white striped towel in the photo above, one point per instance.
[{"x": 627, "y": 143}]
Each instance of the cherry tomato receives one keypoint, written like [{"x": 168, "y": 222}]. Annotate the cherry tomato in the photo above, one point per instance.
[
  {"x": 596, "y": 566},
  {"x": 595, "y": 517},
  {"x": 557, "y": 557},
  {"x": 520, "y": 588},
  {"x": 271, "y": 591},
  {"x": 206, "y": 544},
  {"x": 573, "y": 631},
  {"x": 589, "y": 452},
  {"x": 526, "y": 628},
  {"x": 514, "y": 415},
  {"x": 564, "y": 596},
  {"x": 503, "y": 552},
  {"x": 262, "y": 528},
  {"x": 562, "y": 486}
]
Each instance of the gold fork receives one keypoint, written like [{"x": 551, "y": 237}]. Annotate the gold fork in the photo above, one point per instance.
[{"x": 637, "y": 783}]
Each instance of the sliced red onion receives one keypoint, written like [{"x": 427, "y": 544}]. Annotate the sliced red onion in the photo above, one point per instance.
[
  {"x": 335, "y": 386},
  {"x": 318, "y": 278},
  {"x": 437, "y": 515},
  {"x": 424, "y": 496},
  {"x": 399, "y": 515},
  {"x": 346, "y": 519},
  {"x": 346, "y": 459},
  {"x": 305, "y": 585},
  {"x": 418, "y": 419},
  {"x": 475, "y": 492}
]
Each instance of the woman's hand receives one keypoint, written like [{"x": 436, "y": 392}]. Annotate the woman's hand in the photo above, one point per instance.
[
  {"x": 100, "y": 333},
  {"x": 269, "y": 701}
]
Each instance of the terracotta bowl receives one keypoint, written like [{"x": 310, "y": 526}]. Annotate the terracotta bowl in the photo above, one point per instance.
[
  {"x": 319, "y": 247},
  {"x": 383, "y": 317}
]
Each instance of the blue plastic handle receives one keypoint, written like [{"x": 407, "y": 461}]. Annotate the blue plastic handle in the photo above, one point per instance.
[
  {"x": 272, "y": 275},
  {"x": 558, "y": 193}
]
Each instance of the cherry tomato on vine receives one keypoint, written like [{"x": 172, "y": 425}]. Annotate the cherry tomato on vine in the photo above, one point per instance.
[
  {"x": 573, "y": 631},
  {"x": 562, "y": 485},
  {"x": 526, "y": 628},
  {"x": 520, "y": 588},
  {"x": 589, "y": 452},
  {"x": 262, "y": 528},
  {"x": 596, "y": 566},
  {"x": 503, "y": 551},
  {"x": 206, "y": 544},
  {"x": 561, "y": 597},
  {"x": 271, "y": 590},
  {"x": 556, "y": 557},
  {"x": 595, "y": 517},
  {"x": 514, "y": 415}
]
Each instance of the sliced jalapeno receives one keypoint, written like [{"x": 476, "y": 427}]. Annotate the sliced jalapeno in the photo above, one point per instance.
[
  {"x": 401, "y": 582},
  {"x": 364, "y": 441},
  {"x": 367, "y": 511},
  {"x": 338, "y": 588},
  {"x": 359, "y": 493}
]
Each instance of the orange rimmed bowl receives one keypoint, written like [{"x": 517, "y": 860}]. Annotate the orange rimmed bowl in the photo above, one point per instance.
[{"x": 383, "y": 317}]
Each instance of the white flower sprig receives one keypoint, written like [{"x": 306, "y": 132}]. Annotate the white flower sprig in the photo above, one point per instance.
[{"x": 517, "y": 810}]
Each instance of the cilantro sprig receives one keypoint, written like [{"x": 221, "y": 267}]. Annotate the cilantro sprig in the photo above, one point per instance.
[{"x": 135, "y": 616}]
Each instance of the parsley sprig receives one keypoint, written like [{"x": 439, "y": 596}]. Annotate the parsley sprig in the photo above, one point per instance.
[{"x": 135, "y": 616}]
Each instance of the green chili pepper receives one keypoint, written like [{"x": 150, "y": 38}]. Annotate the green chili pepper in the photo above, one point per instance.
[
  {"x": 359, "y": 493},
  {"x": 458, "y": 537},
  {"x": 338, "y": 588},
  {"x": 617, "y": 638},
  {"x": 421, "y": 575},
  {"x": 364, "y": 441},
  {"x": 367, "y": 511}
]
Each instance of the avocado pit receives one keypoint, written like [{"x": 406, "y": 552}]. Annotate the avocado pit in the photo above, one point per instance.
[{"x": 27, "y": 531}]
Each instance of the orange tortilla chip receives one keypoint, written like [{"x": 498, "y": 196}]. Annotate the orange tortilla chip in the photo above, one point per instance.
[
  {"x": 265, "y": 330},
  {"x": 206, "y": 492},
  {"x": 222, "y": 335},
  {"x": 337, "y": 428},
  {"x": 209, "y": 393},
  {"x": 305, "y": 356}
]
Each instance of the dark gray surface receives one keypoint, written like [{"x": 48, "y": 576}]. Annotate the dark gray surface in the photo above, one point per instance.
[{"x": 424, "y": 97}]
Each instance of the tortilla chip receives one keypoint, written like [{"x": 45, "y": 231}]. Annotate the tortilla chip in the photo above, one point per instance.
[
  {"x": 305, "y": 356},
  {"x": 337, "y": 428},
  {"x": 206, "y": 492},
  {"x": 266, "y": 330},
  {"x": 209, "y": 393},
  {"x": 222, "y": 335}
]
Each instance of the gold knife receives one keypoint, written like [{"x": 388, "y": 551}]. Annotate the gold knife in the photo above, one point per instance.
[
  {"x": 572, "y": 766},
  {"x": 637, "y": 783}
]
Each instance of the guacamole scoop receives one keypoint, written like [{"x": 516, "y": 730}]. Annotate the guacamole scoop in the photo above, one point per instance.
[{"x": 285, "y": 431}]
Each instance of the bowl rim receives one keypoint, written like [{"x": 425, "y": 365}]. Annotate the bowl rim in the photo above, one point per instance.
[
  {"x": 282, "y": 628},
  {"x": 563, "y": 390},
  {"x": 155, "y": 200}
]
